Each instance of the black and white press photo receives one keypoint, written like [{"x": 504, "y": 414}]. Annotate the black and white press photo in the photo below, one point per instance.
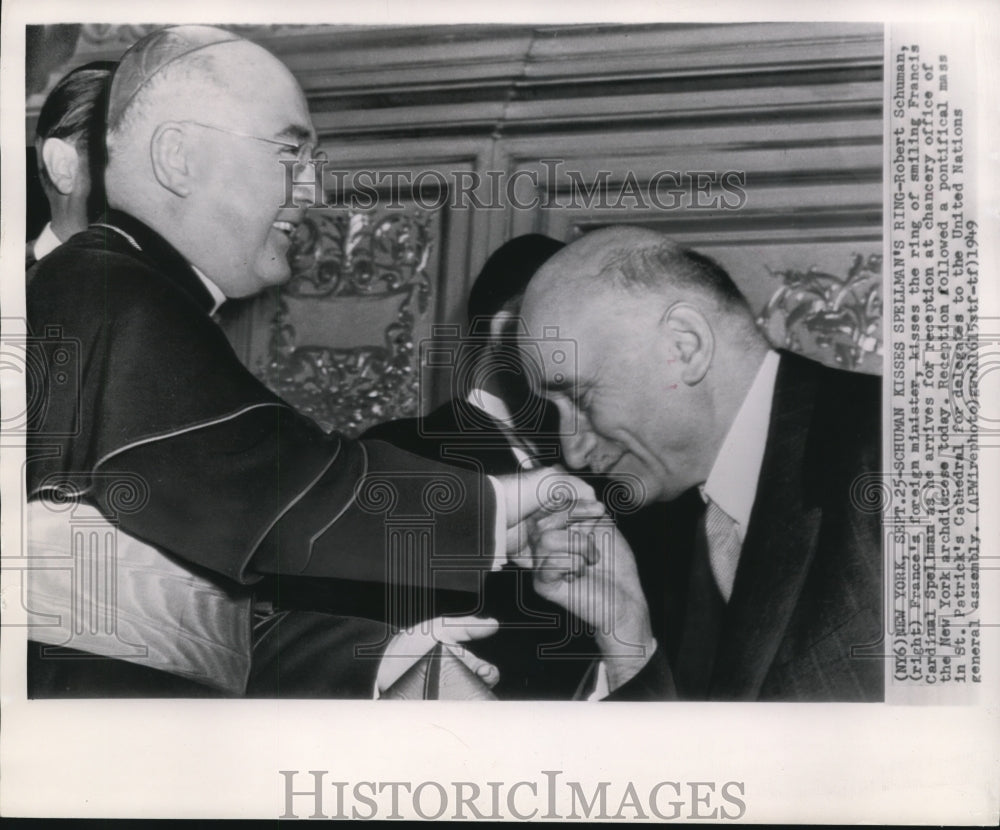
[{"x": 472, "y": 390}]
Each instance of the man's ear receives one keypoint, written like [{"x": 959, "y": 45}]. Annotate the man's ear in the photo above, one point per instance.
[
  {"x": 169, "y": 152},
  {"x": 690, "y": 334},
  {"x": 62, "y": 164}
]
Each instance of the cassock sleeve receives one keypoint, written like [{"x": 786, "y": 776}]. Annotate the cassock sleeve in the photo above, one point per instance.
[{"x": 223, "y": 473}]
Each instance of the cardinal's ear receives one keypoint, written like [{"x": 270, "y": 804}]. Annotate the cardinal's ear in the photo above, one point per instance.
[{"x": 170, "y": 154}]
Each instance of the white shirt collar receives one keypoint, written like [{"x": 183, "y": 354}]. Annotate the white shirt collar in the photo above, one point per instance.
[
  {"x": 732, "y": 482},
  {"x": 47, "y": 242},
  {"x": 218, "y": 297}
]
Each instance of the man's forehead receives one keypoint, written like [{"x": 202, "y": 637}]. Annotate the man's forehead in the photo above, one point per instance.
[
  {"x": 567, "y": 306},
  {"x": 563, "y": 348},
  {"x": 550, "y": 362}
]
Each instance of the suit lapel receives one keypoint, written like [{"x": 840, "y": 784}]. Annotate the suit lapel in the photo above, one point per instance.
[{"x": 779, "y": 545}]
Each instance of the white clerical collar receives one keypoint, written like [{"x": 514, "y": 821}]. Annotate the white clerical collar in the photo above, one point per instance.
[
  {"x": 732, "y": 482},
  {"x": 218, "y": 298},
  {"x": 47, "y": 242}
]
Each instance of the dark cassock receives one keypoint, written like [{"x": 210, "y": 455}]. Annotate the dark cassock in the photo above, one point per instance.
[{"x": 141, "y": 408}]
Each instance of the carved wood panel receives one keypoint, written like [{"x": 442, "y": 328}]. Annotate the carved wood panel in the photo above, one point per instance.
[{"x": 342, "y": 340}]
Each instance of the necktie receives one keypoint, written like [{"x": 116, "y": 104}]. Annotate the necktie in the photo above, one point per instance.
[
  {"x": 710, "y": 582},
  {"x": 723, "y": 547}
]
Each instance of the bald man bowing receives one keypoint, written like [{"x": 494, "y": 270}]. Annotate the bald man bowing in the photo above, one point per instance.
[
  {"x": 756, "y": 576},
  {"x": 230, "y": 483}
]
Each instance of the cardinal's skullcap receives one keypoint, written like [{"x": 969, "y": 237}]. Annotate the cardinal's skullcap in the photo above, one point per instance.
[{"x": 151, "y": 54}]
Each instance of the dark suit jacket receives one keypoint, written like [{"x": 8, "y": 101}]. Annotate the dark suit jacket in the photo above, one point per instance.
[
  {"x": 542, "y": 652},
  {"x": 804, "y": 621}
]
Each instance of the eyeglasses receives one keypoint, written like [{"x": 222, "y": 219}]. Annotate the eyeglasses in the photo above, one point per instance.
[{"x": 304, "y": 153}]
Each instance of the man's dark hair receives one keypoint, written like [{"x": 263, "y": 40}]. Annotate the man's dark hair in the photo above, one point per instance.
[
  {"x": 505, "y": 276},
  {"x": 76, "y": 111},
  {"x": 66, "y": 113}
]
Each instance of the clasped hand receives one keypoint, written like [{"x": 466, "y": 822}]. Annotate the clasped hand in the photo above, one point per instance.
[
  {"x": 582, "y": 562},
  {"x": 558, "y": 529}
]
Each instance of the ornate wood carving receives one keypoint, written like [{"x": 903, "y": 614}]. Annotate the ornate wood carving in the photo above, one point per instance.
[
  {"x": 349, "y": 269},
  {"x": 836, "y": 320}
]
